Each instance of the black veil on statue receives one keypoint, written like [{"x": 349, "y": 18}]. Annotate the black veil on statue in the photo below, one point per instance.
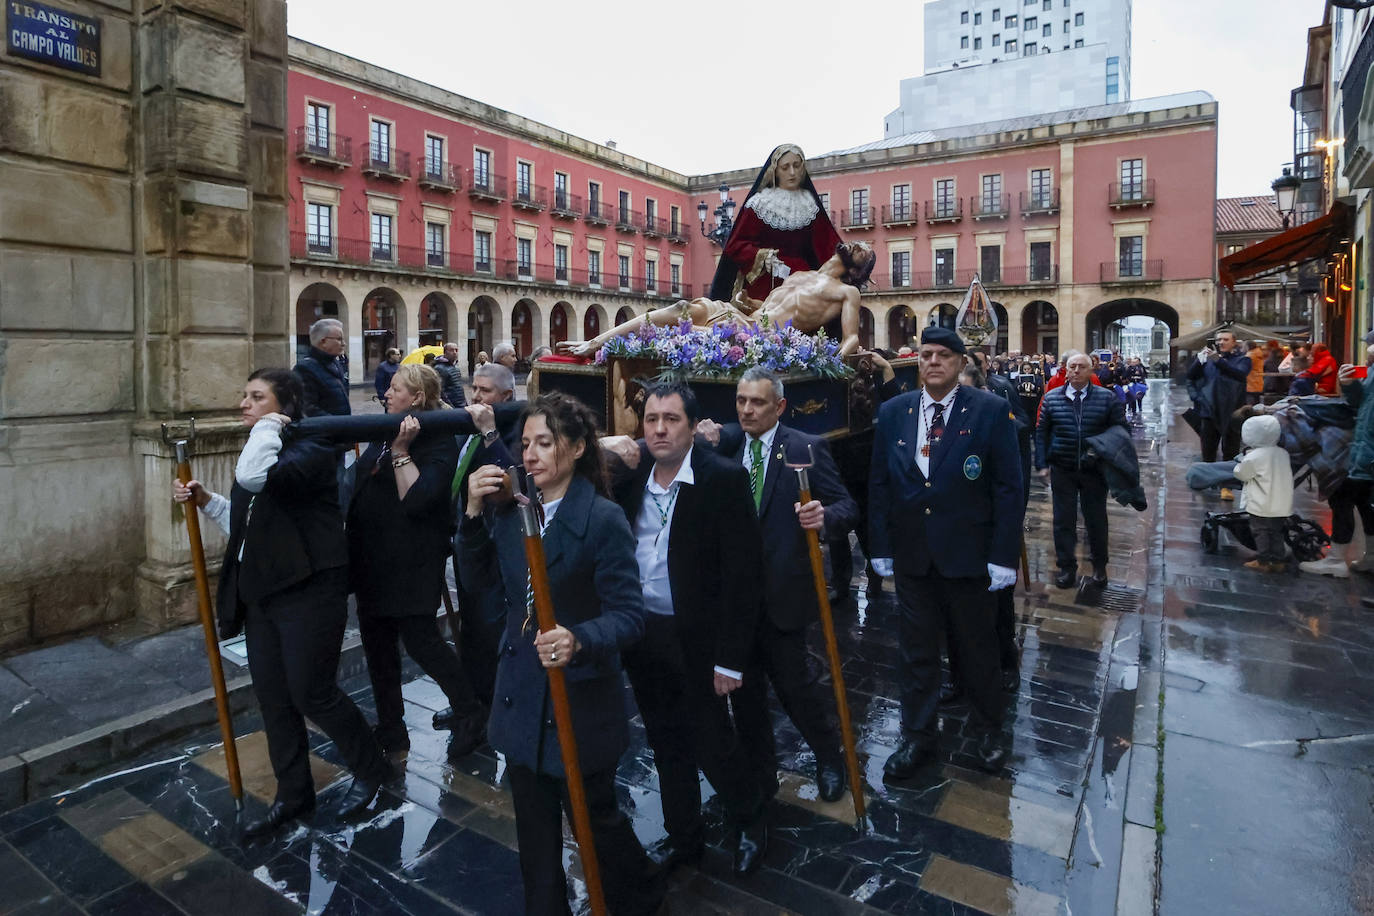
[{"x": 723, "y": 283}]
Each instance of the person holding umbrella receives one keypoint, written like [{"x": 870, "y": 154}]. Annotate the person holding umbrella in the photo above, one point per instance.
[
  {"x": 284, "y": 582},
  {"x": 594, "y": 578}
]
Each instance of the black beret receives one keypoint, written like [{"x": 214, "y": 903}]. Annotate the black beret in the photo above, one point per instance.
[{"x": 943, "y": 337}]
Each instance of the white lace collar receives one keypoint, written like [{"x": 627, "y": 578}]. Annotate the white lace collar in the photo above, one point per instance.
[{"x": 785, "y": 210}]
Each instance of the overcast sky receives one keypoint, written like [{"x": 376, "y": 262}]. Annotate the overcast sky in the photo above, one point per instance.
[{"x": 709, "y": 85}]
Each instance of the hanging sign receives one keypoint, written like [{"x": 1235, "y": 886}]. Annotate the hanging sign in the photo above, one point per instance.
[{"x": 53, "y": 36}]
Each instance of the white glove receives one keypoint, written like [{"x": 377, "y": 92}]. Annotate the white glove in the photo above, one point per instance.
[
  {"x": 881, "y": 565},
  {"x": 1002, "y": 577}
]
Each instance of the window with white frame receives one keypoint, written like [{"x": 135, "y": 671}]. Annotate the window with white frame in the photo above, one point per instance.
[
  {"x": 317, "y": 127},
  {"x": 1131, "y": 256},
  {"x": 675, "y": 276},
  {"x": 944, "y": 266},
  {"x": 901, "y": 268},
  {"x": 379, "y": 147},
  {"x": 481, "y": 169},
  {"x": 901, "y": 202},
  {"x": 560, "y": 190},
  {"x": 524, "y": 180},
  {"x": 560, "y": 262},
  {"x": 434, "y": 157},
  {"x": 992, "y": 194},
  {"x": 524, "y": 256},
  {"x": 382, "y": 227},
  {"x": 435, "y": 247},
  {"x": 1041, "y": 189},
  {"x": 481, "y": 250},
  {"x": 319, "y": 228},
  {"x": 1132, "y": 179},
  {"x": 650, "y": 275},
  {"x": 990, "y": 263},
  {"x": 594, "y": 268},
  {"x": 1041, "y": 265},
  {"x": 858, "y": 206},
  {"x": 624, "y": 271},
  {"x": 944, "y": 198}
]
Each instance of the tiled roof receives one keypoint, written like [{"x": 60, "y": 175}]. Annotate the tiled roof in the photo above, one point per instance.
[{"x": 1248, "y": 214}]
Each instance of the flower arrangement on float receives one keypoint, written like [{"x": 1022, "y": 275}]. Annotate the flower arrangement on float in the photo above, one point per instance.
[{"x": 726, "y": 350}]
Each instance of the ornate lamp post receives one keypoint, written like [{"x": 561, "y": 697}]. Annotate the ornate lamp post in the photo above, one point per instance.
[
  {"x": 724, "y": 214},
  {"x": 1286, "y": 190}
]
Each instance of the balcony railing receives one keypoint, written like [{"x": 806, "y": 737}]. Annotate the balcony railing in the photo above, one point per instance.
[
  {"x": 945, "y": 211},
  {"x": 1132, "y": 271},
  {"x": 627, "y": 221},
  {"x": 990, "y": 206},
  {"x": 483, "y": 185},
  {"x": 679, "y": 232},
  {"x": 1036, "y": 203},
  {"x": 390, "y": 163},
  {"x": 899, "y": 214},
  {"x": 1131, "y": 193},
  {"x": 1041, "y": 275},
  {"x": 439, "y": 176},
  {"x": 857, "y": 218},
  {"x": 565, "y": 205},
  {"x": 599, "y": 213},
  {"x": 330, "y": 150},
  {"x": 530, "y": 197},
  {"x": 1025, "y": 275},
  {"x": 363, "y": 253},
  {"x": 655, "y": 226}
]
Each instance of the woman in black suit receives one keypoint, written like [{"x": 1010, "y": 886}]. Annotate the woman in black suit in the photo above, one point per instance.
[
  {"x": 284, "y": 580},
  {"x": 594, "y": 579},
  {"x": 400, "y": 527}
]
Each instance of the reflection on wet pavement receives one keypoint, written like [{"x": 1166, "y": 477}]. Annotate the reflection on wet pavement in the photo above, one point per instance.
[{"x": 1043, "y": 836}]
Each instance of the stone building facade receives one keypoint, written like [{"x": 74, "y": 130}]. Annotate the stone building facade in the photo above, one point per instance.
[{"x": 143, "y": 270}]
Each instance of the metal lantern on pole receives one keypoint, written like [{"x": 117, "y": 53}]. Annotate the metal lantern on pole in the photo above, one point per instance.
[
  {"x": 1286, "y": 192},
  {"x": 724, "y": 214}
]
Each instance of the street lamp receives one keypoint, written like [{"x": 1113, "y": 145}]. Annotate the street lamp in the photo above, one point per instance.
[
  {"x": 724, "y": 214},
  {"x": 1286, "y": 190}
]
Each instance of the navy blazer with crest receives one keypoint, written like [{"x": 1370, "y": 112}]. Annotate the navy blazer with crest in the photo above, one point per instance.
[
  {"x": 968, "y": 513},
  {"x": 789, "y": 595},
  {"x": 715, "y": 559},
  {"x": 590, "y": 556}
]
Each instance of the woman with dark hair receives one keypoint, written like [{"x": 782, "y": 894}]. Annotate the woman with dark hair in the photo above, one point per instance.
[
  {"x": 782, "y": 227},
  {"x": 400, "y": 527},
  {"x": 594, "y": 580},
  {"x": 284, "y": 581}
]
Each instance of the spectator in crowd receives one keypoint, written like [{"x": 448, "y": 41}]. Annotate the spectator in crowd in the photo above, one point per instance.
[
  {"x": 450, "y": 377},
  {"x": 504, "y": 353},
  {"x": 1254, "y": 382},
  {"x": 325, "y": 383},
  {"x": 1355, "y": 492},
  {"x": 482, "y": 358},
  {"x": 1267, "y": 497},
  {"x": 1273, "y": 381},
  {"x": 381, "y": 379},
  {"x": 1321, "y": 375},
  {"x": 1219, "y": 375}
]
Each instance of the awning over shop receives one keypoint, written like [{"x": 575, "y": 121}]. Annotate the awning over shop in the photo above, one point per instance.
[
  {"x": 1308, "y": 242},
  {"x": 1194, "y": 340}
]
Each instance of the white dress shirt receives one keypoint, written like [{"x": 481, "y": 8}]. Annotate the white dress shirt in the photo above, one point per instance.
[
  {"x": 927, "y": 413},
  {"x": 767, "y": 440}
]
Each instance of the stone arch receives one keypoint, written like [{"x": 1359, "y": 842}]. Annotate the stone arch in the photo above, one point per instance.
[
  {"x": 594, "y": 321},
  {"x": 1040, "y": 328},
  {"x": 901, "y": 327},
  {"x": 943, "y": 315},
  {"x": 316, "y": 301},
  {"x": 1099, "y": 321},
  {"x": 866, "y": 327},
  {"x": 438, "y": 319},
  {"x": 383, "y": 326},
  {"x": 624, "y": 314},
  {"x": 1001, "y": 342},
  {"x": 560, "y": 323},
  {"x": 483, "y": 328},
  {"x": 524, "y": 326}
]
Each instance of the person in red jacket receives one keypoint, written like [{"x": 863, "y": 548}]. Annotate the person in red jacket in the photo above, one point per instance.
[
  {"x": 1323, "y": 371},
  {"x": 781, "y": 228}
]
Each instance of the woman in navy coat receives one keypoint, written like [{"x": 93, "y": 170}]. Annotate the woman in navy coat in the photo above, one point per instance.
[{"x": 594, "y": 579}]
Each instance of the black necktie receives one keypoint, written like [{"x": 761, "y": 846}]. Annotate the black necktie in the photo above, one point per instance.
[{"x": 937, "y": 428}]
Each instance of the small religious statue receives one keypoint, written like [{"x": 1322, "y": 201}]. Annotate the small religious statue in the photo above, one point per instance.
[{"x": 807, "y": 298}]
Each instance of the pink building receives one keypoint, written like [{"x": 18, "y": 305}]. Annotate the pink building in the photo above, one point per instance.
[{"x": 419, "y": 216}]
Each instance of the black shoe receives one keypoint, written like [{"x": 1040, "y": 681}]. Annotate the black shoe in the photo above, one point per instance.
[
  {"x": 1066, "y": 578},
  {"x": 909, "y": 757},
  {"x": 280, "y": 813},
  {"x": 830, "y": 780},
  {"x": 392, "y": 738},
  {"x": 444, "y": 719},
  {"x": 950, "y": 694},
  {"x": 1011, "y": 680},
  {"x": 668, "y": 853},
  {"x": 467, "y": 736},
  {"x": 992, "y": 752},
  {"x": 361, "y": 794},
  {"x": 751, "y": 847},
  {"x": 1099, "y": 579}
]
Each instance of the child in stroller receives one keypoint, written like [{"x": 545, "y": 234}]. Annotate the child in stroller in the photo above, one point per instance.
[{"x": 1305, "y": 537}]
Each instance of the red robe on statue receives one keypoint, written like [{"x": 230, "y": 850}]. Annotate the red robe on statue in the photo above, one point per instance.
[{"x": 806, "y": 248}]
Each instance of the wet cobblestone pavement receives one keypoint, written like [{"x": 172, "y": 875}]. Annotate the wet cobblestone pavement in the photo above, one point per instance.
[{"x": 1067, "y": 827}]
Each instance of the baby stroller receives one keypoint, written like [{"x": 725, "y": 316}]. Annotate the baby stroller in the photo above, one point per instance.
[{"x": 1304, "y": 537}]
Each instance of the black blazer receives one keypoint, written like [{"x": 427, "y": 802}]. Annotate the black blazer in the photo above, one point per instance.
[
  {"x": 397, "y": 547},
  {"x": 294, "y": 530},
  {"x": 968, "y": 513},
  {"x": 715, "y": 558},
  {"x": 789, "y": 592},
  {"x": 590, "y": 556}
]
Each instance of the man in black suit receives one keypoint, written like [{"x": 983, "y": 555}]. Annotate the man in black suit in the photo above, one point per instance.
[
  {"x": 763, "y": 446},
  {"x": 946, "y": 511},
  {"x": 698, "y": 548}
]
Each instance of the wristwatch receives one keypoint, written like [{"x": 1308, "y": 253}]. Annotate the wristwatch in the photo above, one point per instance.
[{"x": 490, "y": 435}]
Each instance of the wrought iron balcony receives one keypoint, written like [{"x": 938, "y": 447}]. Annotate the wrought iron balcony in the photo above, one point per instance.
[
  {"x": 439, "y": 176},
  {"x": 530, "y": 197},
  {"x": 483, "y": 185},
  {"x": 857, "y": 218},
  {"x": 566, "y": 206},
  {"x": 990, "y": 206},
  {"x": 598, "y": 213},
  {"x": 1122, "y": 194},
  {"x": 655, "y": 226},
  {"x": 1129, "y": 270},
  {"x": 950, "y": 210},
  {"x": 679, "y": 232},
  {"x": 899, "y": 214},
  {"x": 318, "y": 148},
  {"x": 627, "y": 221},
  {"x": 389, "y": 163},
  {"x": 1040, "y": 203},
  {"x": 1025, "y": 275}
]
